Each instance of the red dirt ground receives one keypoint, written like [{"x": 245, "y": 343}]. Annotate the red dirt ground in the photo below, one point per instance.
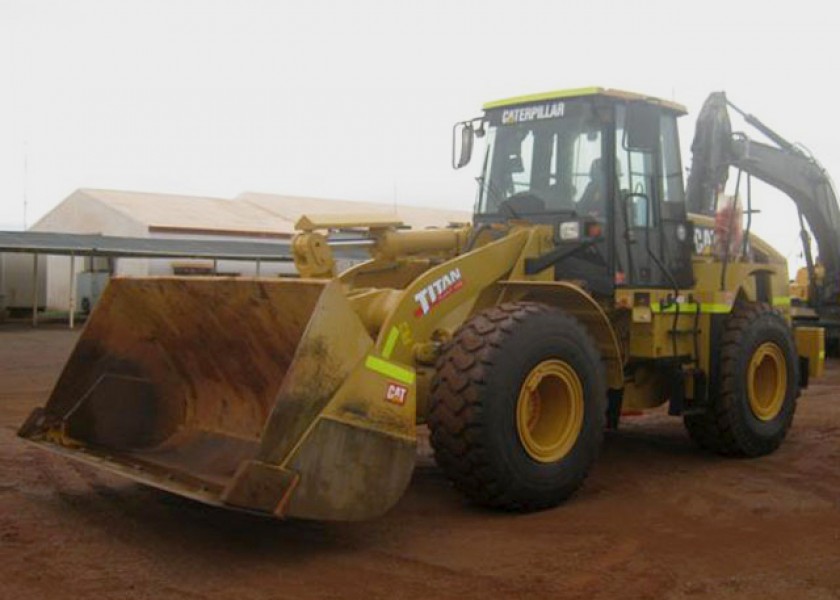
[{"x": 657, "y": 519}]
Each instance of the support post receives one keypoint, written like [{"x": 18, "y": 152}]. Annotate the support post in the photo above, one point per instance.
[
  {"x": 35, "y": 289},
  {"x": 2, "y": 286},
  {"x": 258, "y": 267},
  {"x": 71, "y": 301}
]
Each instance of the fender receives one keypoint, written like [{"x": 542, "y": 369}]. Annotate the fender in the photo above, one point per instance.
[{"x": 577, "y": 302}]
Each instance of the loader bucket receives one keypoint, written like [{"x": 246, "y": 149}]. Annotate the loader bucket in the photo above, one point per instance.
[{"x": 247, "y": 393}]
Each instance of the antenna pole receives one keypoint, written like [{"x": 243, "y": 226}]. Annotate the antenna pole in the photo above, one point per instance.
[{"x": 25, "y": 182}]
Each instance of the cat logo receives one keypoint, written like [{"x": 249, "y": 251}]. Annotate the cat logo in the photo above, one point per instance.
[
  {"x": 396, "y": 394},
  {"x": 704, "y": 240}
]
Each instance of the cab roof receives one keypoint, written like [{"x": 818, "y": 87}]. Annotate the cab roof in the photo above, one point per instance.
[{"x": 583, "y": 92}]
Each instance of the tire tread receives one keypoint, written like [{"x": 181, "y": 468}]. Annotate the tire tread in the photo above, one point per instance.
[{"x": 457, "y": 404}]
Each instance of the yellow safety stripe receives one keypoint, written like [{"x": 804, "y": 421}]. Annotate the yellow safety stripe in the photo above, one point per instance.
[
  {"x": 393, "y": 335},
  {"x": 711, "y": 307},
  {"x": 555, "y": 95},
  {"x": 389, "y": 369},
  {"x": 583, "y": 92},
  {"x": 691, "y": 308}
]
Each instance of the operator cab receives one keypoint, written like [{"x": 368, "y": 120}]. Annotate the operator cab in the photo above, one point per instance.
[{"x": 605, "y": 160}]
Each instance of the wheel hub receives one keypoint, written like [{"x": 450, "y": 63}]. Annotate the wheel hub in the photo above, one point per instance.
[
  {"x": 549, "y": 411},
  {"x": 767, "y": 381}
]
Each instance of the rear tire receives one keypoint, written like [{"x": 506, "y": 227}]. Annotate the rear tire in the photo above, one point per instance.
[
  {"x": 753, "y": 399},
  {"x": 518, "y": 407}
]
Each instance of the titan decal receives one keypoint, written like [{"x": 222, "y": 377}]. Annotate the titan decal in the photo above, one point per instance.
[{"x": 437, "y": 291}]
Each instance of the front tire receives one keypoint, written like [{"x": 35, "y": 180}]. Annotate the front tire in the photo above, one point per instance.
[
  {"x": 754, "y": 396},
  {"x": 518, "y": 407}
]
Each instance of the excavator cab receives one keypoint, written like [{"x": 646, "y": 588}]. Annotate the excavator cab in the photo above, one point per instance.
[{"x": 604, "y": 168}]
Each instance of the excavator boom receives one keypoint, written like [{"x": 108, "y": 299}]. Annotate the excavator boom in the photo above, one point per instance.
[{"x": 785, "y": 166}]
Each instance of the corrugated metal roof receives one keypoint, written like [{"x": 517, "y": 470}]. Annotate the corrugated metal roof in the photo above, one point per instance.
[
  {"x": 189, "y": 213},
  {"x": 103, "y": 245},
  {"x": 250, "y": 214}
]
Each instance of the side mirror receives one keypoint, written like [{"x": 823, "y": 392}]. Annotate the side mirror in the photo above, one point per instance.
[
  {"x": 466, "y": 145},
  {"x": 641, "y": 127}
]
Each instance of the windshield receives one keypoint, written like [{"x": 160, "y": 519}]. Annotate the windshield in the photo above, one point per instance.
[{"x": 544, "y": 157}]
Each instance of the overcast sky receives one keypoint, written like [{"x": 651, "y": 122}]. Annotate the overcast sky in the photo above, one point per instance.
[{"x": 356, "y": 99}]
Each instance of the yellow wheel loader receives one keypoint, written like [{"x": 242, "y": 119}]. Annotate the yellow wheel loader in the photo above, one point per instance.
[{"x": 580, "y": 291}]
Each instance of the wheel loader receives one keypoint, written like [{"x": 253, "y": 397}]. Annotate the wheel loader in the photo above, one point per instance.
[{"x": 581, "y": 290}]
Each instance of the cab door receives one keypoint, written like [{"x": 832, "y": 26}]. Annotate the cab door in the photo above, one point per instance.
[{"x": 652, "y": 235}]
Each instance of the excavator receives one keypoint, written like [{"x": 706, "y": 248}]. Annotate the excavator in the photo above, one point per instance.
[
  {"x": 792, "y": 169},
  {"x": 576, "y": 295}
]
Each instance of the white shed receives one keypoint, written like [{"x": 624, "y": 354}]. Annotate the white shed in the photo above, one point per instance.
[{"x": 146, "y": 215}]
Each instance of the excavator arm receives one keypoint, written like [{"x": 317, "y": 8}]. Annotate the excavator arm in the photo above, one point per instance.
[
  {"x": 802, "y": 179},
  {"x": 785, "y": 166}
]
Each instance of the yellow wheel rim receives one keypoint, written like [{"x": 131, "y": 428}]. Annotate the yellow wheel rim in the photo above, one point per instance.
[
  {"x": 767, "y": 381},
  {"x": 549, "y": 412}
]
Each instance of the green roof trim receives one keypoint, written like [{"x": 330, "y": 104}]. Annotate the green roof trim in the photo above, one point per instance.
[
  {"x": 583, "y": 92},
  {"x": 555, "y": 95}
]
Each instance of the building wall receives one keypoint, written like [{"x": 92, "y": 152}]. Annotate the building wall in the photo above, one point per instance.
[
  {"x": 16, "y": 285},
  {"x": 164, "y": 266},
  {"x": 57, "y": 296},
  {"x": 58, "y": 277},
  {"x": 80, "y": 213},
  {"x": 58, "y": 281}
]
